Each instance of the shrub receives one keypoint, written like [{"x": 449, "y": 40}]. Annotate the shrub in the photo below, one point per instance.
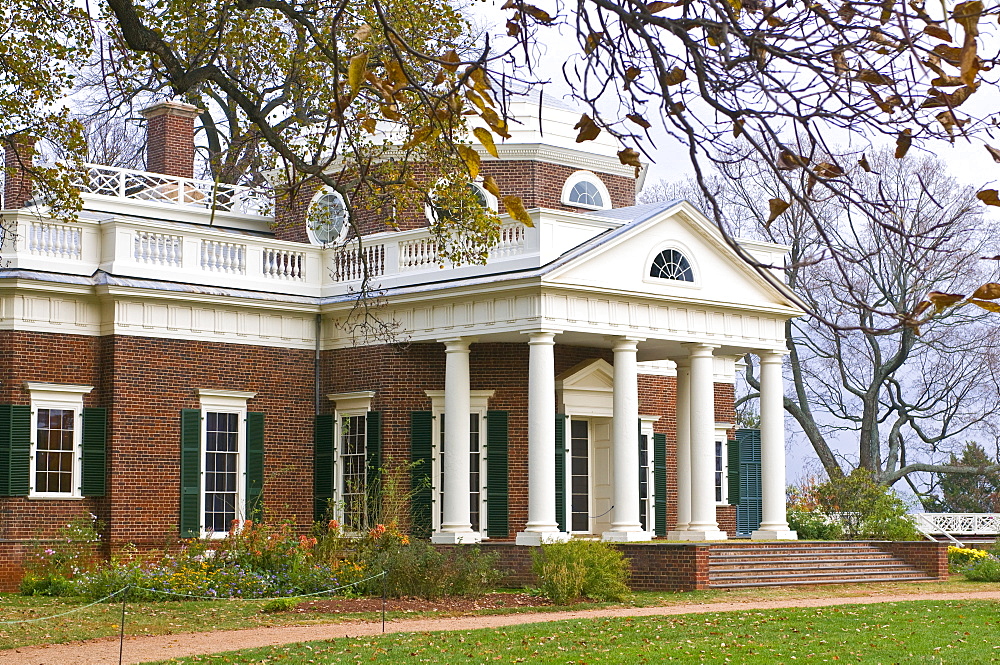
[
  {"x": 279, "y": 605},
  {"x": 51, "y": 570},
  {"x": 961, "y": 557},
  {"x": 581, "y": 569},
  {"x": 422, "y": 570},
  {"x": 814, "y": 526},
  {"x": 985, "y": 569}
]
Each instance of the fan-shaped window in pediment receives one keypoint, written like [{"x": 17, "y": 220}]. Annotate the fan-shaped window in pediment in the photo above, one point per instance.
[{"x": 671, "y": 264}]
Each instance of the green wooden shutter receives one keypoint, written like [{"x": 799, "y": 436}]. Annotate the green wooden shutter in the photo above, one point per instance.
[
  {"x": 95, "y": 436},
  {"x": 660, "y": 484},
  {"x": 421, "y": 426},
  {"x": 560, "y": 479},
  {"x": 373, "y": 453},
  {"x": 255, "y": 466},
  {"x": 15, "y": 449},
  {"x": 190, "y": 473},
  {"x": 323, "y": 438},
  {"x": 497, "y": 475},
  {"x": 733, "y": 451},
  {"x": 748, "y": 512}
]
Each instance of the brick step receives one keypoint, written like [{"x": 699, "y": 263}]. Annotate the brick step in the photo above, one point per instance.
[
  {"x": 750, "y": 558},
  {"x": 818, "y": 570},
  {"x": 846, "y": 580},
  {"x": 814, "y": 565},
  {"x": 813, "y": 575},
  {"x": 796, "y": 550}
]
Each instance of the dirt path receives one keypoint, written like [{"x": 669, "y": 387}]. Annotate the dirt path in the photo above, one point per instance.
[{"x": 162, "y": 647}]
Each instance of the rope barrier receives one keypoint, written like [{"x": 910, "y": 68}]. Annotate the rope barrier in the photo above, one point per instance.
[
  {"x": 189, "y": 595},
  {"x": 75, "y": 609}
]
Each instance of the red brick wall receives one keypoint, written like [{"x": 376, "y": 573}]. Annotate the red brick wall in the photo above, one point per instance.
[
  {"x": 170, "y": 145},
  {"x": 932, "y": 558},
  {"x": 17, "y": 182},
  {"x": 726, "y": 517}
]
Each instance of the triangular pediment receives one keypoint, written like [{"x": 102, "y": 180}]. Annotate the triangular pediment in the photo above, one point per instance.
[
  {"x": 621, "y": 262},
  {"x": 596, "y": 374}
]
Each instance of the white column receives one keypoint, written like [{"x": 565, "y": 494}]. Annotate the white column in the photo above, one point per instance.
[
  {"x": 625, "y": 524},
  {"x": 542, "y": 526},
  {"x": 703, "y": 525},
  {"x": 773, "y": 524},
  {"x": 683, "y": 450},
  {"x": 456, "y": 525}
]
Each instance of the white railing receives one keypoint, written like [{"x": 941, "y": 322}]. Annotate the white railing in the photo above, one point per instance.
[
  {"x": 159, "y": 249},
  {"x": 143, "y": 186},
  {"x": 284, "y": 264},
  {"x": 418, "y": 254},
  {"x": 227, "y": 257},
  {"x": 55, "y": 239},
  {"x": 350, "y": 263},
  {"x": 966, "y": 524},
  {"x": 511, "y": 243}
]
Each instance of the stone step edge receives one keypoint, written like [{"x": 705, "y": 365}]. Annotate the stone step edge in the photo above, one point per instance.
[
  {"x": 791, "y": 576},
  {"x": 807, "y": 582},
  {"x": 825, "y": 569}
]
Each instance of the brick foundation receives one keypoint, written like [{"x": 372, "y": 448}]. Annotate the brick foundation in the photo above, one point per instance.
[{"x": 932, "y": 558}]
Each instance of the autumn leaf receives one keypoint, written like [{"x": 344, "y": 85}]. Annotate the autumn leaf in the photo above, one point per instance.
[
  {"x": 639, "y": 120},
  {"x": 674, "y": 76},
  {"x": 363, "y": 33},
  {"x": 989, "y": 197},
  {"x": 655, "y": 7},
  {"x": 420, "y": 135},
  {"x": 938, "y": 32},
  {"x": 515, "y": 208},
  {"x": 840, "y": 66},
  {"x": 988, "y": 291},
  {"x": 988, "y": 306},
  {"x": 950, "y": 122},
  {"x": 588, "y": 129},
  {"x": 513, "y": 28},
  {"x": 592, "y": 42},
  {"x": 872, "y": 77},
  {"x": 495, "y": 122},
  {"x": 967, "y": 14},
  {"x": 486, "y": 138},
  {"x": 631, "y": 74},
  {"x": 951, "y": 54},
  {"x": 471, "y": 159},
  {"x": 903, "y": 141},
  {"x": 450, "y": 60},
  {"x": 863, "y": 163},
  {"x": 921, "y": 307},
  {"x": 994, "y": 153},
  {"x": 356, "y": 71},
  {"x": 847, "y": 12},
  {"x": 788, "y": 161},
  {"x": 738, "y": 127},
  {"x": 942, "y": 301},
  {"x": 777, "y": 207},
  {"x": 539, "y": 15},
  {"x": 629, "y": 157},
  {"x": 828, "y": 170},
  {"x": 490, "y": 185}
]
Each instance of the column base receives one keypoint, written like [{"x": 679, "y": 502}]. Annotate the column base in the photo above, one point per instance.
[
  {"x": 637, "y": 536},
  {"x": 774, "y": 534},
  {"x": 456, "y": 538},
  {"x": 705, "y": 534},
  {"x": 537, "y": 538},
  {"x": 678, "y": 535}
]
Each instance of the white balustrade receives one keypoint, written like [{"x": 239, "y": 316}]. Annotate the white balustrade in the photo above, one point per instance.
[
  {"x": 55, "y": 239},
  {"x": 978, "y": 524},
  {"x": 350, "y": 262},
  {"x": 143, "y": 186},
  {"x": 511, "y": 242},
  {"x": 284, "y": 264},
  {"x": 158, "y": 249},
  {"x": 227, "y": 257},
  {"x": 418, "y": 254}
]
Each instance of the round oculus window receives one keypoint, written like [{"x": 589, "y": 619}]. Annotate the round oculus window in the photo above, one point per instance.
[{"x": 327, "y": 219}]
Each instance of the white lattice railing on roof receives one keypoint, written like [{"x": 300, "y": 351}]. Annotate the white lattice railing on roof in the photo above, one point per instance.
[
  {"x": 143, "y": 186},
  {"x": 161, "y": 249},
  {"x": 978, "y": 524},
  {"x": 350, "y": 262},
  {"x": 228, "y": 257},
  {"x": 511, "y": 242},
  {"x": 55, "y": 239},
  {"x": 284, "y": 264},
  {"x": 418, "y": 254}
]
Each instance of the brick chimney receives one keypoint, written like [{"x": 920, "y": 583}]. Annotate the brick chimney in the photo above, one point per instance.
[
  {"x": 19, "y": 153},
  {"x": 170, "y": 138}
]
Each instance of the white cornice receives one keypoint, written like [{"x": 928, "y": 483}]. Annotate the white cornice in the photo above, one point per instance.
[{"x": 563, "y": 156}]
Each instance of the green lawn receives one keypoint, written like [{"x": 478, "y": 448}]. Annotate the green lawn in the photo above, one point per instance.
[{"x": 963, "y": 632}]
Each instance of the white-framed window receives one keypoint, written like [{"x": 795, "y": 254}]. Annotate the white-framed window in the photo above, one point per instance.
[
  {"x": 55, "y": 463},
  {"x": 647, "y": 498},
  {"x": 584, "y": 189},
  {"x": 478, "y": 405},
  {"x": 436, "y": 214},
  {"x": 722, "y": 464},
  {"x": 327, "y": 218},
  {"x": 671, "y": 264},
  {"x": 223, "y": 459},
  {"x": 350, "y": 472}
]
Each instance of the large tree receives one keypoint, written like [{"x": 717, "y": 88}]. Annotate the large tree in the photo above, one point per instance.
[{"x": 902, "y": 397}]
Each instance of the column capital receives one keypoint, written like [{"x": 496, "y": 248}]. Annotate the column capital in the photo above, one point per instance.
[
  {"x": 771, "y": 355},
  {"x": 459, "y": 344},
  {"x": 699, "y": 349},
  {"x": 626, "y": 343},
  {"x": 543, "y": 336}
]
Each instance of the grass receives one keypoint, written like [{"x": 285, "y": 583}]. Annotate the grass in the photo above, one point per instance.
[
  {"x": 169, "y": 618},
  {"x": 911, "y": 632}
]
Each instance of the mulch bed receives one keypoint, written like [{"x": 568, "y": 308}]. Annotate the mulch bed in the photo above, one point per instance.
[{"x": 491, "y": 601}]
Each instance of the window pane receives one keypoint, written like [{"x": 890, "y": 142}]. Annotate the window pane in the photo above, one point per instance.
[
  {"x": 221, "y": 465},
  {"x": 354, "y": 472},
  {"x": 54, "y": 451}
]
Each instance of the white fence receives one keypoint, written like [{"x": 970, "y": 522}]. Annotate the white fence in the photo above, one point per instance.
[{"x": 963, "y": 524}]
